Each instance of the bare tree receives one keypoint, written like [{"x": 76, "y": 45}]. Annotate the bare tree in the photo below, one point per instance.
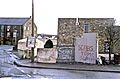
[{"x": 112, "y": 35}]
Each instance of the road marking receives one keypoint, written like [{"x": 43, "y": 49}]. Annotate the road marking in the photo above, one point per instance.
[
  {"x": 22, "y": 71},
  {"x": 29, "y": 75}
]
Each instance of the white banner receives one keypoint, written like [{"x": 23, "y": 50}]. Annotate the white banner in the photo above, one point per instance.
[
  {"x": 86, "y": 48},
  {"x": 47, "y": 55}
]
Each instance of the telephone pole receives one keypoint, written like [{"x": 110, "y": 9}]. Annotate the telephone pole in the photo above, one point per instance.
[
  {"x": 32, "y": 49},
  {"x": 111, "y": 44}
]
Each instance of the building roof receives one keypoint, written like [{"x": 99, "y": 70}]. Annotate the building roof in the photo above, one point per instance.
[
  {"x": 12, "y": 21},
  {"x": 46, "y": 35}
]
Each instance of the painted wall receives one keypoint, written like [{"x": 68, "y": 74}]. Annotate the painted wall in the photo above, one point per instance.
[
  {"x": 47, "y": 55},
  {"x": 86, "y": 48},
  {"x": 65, "y": 54}
]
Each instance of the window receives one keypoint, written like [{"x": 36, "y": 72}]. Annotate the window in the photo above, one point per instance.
[
  {"x": 28, "y": 28},
  {"x": 86, "y": 28},
  {"x": 2, "y": 34},
  {"x": 2, "y": 28},
  {"x": 8, "y": 34},
  {"x": 15, "y": 33},
  {"x": 25, "y": 28},
  {"x": 14, "y": 28},
  {"x": 8, "y": 28}
]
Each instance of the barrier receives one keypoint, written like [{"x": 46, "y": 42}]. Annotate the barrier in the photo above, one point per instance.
[
  {"x": 47, "y": 55},
  {"x": 86, "y": 48}
]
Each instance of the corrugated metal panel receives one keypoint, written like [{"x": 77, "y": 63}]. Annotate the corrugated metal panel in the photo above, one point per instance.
[{"x": 13, "y": 21}]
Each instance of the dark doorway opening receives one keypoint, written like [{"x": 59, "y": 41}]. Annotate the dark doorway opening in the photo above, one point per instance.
[{"x": 48, "y": 44}]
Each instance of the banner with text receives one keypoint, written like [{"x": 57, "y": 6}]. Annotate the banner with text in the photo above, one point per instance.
[{"x": 86, "y": 48}]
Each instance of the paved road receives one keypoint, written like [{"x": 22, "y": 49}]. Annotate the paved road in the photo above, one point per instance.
[
  {"x": 32, "y": 73},
  {"x": 37, "y": 73},
  {"x": 8, "y": 69}
]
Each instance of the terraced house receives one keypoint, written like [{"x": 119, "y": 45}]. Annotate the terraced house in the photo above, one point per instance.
[{"x": 13, "y": 29}]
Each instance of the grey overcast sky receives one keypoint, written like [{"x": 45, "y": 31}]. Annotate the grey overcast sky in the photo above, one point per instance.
[{"x": 48, "y": 11}]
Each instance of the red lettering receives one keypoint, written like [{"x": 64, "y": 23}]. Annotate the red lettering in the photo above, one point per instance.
[{"x": 85, "y": 48}]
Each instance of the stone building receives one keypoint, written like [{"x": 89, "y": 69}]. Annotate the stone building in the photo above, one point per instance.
[
  {"x": 13, "y": 29},
  {"x": 69, "y": 28}
]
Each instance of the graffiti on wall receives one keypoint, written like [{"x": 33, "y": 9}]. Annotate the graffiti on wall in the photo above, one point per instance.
[
  {"x": 47, "y": 55},
  {"x": 86, "y": 52},
  {"x": 66, "y": 54},
  {"x": 86, "y": 48}
]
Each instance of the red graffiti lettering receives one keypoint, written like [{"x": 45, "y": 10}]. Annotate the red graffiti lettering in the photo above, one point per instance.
[{"x": 85, "y": 48}]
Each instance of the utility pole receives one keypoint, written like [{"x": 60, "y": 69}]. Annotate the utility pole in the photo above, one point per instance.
[
  {"x": 110, "y": 42},
  {"x": 32, "y": 48}
]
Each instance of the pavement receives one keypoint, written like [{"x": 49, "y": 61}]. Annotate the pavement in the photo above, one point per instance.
[{"x": 70, "y": 66}]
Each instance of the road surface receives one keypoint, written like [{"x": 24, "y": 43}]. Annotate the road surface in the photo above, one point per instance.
[{"x": 33, "y": 73}]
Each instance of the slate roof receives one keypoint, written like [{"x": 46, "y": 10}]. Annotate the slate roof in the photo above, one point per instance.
[{"x": 13, "y": 21}]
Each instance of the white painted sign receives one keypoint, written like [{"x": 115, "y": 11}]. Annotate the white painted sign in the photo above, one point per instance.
[
  {"x": 86, "y": 48},
  {"x": 47, "y": 55},
  {"x": 31, "y": 41}
]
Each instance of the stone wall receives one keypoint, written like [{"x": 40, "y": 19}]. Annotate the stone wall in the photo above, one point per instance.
[
  {"x": 68, "y": 29},
  {"x": 27, "y": 29}
]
